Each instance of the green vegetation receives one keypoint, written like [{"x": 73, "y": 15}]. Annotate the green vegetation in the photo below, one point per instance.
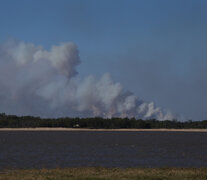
[
  {"x": 12, "y": 121},
  {"x": 105, "y": 174}
]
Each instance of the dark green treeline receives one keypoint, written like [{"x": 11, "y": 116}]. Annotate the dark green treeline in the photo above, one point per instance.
[{"x": 12, "y": 121}]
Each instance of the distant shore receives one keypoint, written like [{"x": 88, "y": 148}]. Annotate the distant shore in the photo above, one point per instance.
[{"x": 87, "y": 129}]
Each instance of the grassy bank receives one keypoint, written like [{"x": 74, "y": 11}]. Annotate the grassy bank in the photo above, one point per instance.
[{"x": 105, "y": 173}]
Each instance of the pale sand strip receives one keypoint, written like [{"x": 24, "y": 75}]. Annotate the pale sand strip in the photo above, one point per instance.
[{"x": 85, "y": 129}]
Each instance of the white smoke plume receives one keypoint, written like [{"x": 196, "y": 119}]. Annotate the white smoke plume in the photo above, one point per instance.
[{"x": 35, "y": 81}]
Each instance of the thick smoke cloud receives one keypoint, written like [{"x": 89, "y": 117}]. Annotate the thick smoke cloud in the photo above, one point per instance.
[{"x": 35, "y": 81}]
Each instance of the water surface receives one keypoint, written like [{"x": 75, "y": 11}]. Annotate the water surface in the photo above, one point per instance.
[{"x": 51, "y": 149}]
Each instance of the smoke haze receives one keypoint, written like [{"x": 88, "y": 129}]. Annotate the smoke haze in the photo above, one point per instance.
[{"x": 40, "y": 82}]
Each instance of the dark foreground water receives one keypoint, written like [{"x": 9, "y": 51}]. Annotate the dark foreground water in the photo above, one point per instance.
[{"x": 51, "y": 149}]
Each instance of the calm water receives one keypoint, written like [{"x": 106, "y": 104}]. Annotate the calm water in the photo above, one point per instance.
[{"x": 32, "y": 149}]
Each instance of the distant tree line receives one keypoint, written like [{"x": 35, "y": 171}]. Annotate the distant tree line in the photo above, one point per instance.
[{"x": 13, "y": 121}]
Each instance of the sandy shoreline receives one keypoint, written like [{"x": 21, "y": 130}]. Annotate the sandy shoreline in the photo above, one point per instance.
[{"x": 85, "y": 129}]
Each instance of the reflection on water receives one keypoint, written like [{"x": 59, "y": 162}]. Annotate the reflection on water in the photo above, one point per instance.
[{"x": 51, "y": 149}]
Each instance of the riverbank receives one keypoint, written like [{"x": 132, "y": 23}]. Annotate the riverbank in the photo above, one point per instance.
[
  {"x": 87, "y": 129},
  {"x": 106, "y": 173}
]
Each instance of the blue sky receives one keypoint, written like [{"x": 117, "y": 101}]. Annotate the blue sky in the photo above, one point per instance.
[{"x": 155, "y": 48}]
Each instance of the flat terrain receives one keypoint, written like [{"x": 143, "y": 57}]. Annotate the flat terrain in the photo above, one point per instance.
[
  {"x": 87, "y": 129},
  {"x": 105, "y": 173}
]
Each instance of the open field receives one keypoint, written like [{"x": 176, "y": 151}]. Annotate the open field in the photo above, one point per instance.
[
  {"x": 105, "y": 173},
  {"x": 87, "y": 129}
]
